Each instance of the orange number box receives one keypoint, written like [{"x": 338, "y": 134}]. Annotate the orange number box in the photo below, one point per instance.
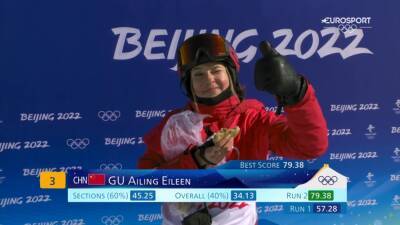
[{"x": 53, "y": 180}]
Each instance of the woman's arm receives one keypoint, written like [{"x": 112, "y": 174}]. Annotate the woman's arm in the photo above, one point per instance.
[{"x": 302, "y": 133}]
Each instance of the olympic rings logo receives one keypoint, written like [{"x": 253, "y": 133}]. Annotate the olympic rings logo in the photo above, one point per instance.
[
  {"x": 111, "y": 166},
  {"x": 112, "y": 220},
  {"x": 331, "y": 180},
  {"x": 78, "y": 143},
  {"x": 347, "y": 27},
  {"x": 109, "y": 115}
]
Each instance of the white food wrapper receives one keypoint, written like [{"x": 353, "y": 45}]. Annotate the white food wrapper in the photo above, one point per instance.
[{"x": 180, "y": 131}]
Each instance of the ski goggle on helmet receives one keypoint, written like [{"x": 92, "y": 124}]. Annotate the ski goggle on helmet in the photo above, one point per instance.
[{"x": 205, "y": 48}]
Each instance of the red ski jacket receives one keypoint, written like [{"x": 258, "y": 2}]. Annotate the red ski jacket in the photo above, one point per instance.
[{"x": 300, "y": 133}]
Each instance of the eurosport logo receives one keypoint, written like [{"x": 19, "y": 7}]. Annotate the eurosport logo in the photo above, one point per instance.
[
  {"x": 348, "y": 24},
  {"x": 109, "y": 115},
  {"x": 328, "y": 180},
  {"x": 112, "y": 220},
  {"x": 110, "y": 166},
  {"x": 158, "y": 45},
  {"x": 78, "y": 143}
]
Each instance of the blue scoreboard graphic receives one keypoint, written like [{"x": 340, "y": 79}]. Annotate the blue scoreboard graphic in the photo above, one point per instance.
[{"x": 82, "y": 82}]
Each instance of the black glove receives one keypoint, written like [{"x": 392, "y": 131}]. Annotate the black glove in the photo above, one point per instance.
[
  {"x": 201, "y": 217},
  {"x": 275, "y": 75}
]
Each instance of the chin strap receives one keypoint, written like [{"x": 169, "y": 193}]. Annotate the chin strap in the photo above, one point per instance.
[{"x": 217, "y": 99}]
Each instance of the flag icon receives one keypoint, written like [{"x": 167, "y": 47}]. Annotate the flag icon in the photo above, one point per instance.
[{"x": 96, "y": 179}]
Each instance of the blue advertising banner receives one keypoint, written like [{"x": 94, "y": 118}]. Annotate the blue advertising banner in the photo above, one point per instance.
[{"x": 82, "y": 82}]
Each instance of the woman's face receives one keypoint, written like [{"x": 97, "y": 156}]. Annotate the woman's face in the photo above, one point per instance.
[{"x": 209, "y": 79}]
